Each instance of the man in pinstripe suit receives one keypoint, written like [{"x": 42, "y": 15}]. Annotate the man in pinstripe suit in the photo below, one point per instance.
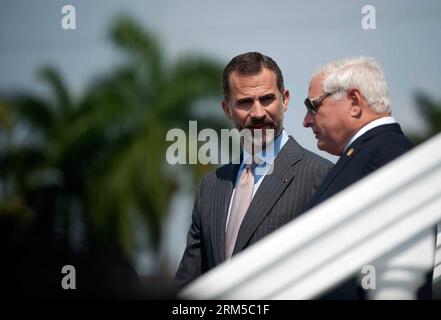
[{"x": 254, "y": 99}]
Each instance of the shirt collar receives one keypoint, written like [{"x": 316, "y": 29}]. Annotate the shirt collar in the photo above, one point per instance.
[{"x": 367, "y": 127}]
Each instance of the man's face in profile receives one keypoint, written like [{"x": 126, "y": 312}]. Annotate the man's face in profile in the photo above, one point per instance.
[
  {"x": 256, "y": 103},
  {"x": 330, "y": 122}
]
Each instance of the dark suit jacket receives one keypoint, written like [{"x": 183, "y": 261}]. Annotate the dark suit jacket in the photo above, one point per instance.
[
  {"x": 280, "y": 198},
  {"x": 370, "y": 151}
]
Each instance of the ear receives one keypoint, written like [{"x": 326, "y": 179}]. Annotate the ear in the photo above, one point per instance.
[
  {"x": 226, "y": 109},
  {"x": 285, "y": 100},
  {"x": 355, "y": 100}
]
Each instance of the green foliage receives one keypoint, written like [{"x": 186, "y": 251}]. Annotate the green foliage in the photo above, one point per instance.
[
  {"x": 431, "y": 113},
  {"x": 104, "y": 153}
]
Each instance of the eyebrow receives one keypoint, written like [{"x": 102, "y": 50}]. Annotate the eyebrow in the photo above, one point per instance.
[
  {"x": 268, "y": 95},
  {"x": 242, "y": 100},
  {"x": 248, "y": 99}
]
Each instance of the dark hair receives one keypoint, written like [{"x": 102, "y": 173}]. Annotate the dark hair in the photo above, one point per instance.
[{"x": 250, "y": 63}]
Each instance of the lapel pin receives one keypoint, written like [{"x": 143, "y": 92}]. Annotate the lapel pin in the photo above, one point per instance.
[
  {"x": 350, "y": 152},
  {"x": 285, "y": 180}
]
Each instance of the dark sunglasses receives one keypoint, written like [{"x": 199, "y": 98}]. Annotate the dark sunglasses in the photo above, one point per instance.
[{"x": 313, "y": 104}]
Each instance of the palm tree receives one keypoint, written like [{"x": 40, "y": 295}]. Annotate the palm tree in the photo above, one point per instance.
[
  {"x": 32, "y": 178},
  {"x": 103, "y": 155},
  {"x": 431, "y": 113}
]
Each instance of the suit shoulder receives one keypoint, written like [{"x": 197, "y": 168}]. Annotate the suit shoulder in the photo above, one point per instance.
[
  {"x": 219, "y": 173},
  {"x": 309, "y": 157},
  {"x": 392, "y": 137},
  {"x": 390, "y": 144},
  {"x": 386, "y": 148},
  {"x": 314, "y": 167},
  {"x": 317, "y": 160}
]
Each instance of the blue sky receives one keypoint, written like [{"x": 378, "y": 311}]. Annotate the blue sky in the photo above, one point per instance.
[{"x": 300, "y": 35}]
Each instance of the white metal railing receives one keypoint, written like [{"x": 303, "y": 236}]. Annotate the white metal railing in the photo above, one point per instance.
[
  {"x": 437, "y": 267},
  {"x": 385, "y": 220}
]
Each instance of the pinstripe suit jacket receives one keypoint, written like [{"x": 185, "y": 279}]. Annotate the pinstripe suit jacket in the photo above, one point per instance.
[{"x": 296, "y": 175}]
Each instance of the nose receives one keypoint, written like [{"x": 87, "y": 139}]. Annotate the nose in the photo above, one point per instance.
[
  {"x": 307, "y": 121},
  {"x": 257, "y": 111}
]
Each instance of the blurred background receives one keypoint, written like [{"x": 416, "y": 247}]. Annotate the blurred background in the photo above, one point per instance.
[{"x": 84, "y": 114}]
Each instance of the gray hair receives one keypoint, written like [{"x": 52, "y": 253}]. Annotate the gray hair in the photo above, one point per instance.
[{"x": 363, "y": 73}]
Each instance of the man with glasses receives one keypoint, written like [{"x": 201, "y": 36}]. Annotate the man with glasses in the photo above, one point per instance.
[{"x": 348, "y": 110}]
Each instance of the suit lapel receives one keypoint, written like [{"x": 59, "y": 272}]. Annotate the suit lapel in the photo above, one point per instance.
[
  {"x": 339, "y": 166},
  {"x": 269, "y": 191},
  {"x": 222, "y": 195}
]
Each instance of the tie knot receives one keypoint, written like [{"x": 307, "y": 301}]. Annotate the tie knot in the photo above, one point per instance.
[
  {"x": 253, "y": 162},
  {"x": 251, "y": 166}
]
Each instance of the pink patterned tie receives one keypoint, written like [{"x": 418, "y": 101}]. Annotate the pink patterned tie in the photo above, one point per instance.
[{"x": 241, "y": 202}]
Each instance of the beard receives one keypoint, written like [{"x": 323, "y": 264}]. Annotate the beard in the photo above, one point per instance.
[{"x": 257, "y": 136}]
